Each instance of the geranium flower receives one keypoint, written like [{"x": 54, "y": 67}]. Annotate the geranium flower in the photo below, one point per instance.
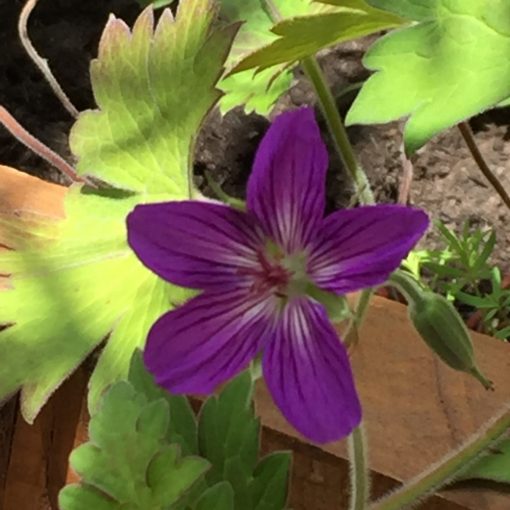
[{"x": 256, "y": 269}]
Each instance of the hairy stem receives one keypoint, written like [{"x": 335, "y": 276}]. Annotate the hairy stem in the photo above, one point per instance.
[
  {"x": 351, "y": 333},
  {"x": 40, "y": 62},
  {"x": 469, "y": 138},
  {"x": 360, "y": 479},
  {"x": 450, "y": 468},
  {"x": 23, "y": 136},
  {"x": 337, "y": 129}
]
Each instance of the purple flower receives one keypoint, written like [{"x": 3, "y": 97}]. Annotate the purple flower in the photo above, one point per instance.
[{"x": 256, "y": 270}]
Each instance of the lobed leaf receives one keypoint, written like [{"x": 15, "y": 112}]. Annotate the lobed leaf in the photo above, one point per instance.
[
  {"x": 257, "y": 91},
  {"x": 128, "y": 463},
  {"x": 301, "y": 37},
  {"x": 448, "y": 66},
  {"x": 75, "y": 281},
  {"x": 217, "y": 497}
]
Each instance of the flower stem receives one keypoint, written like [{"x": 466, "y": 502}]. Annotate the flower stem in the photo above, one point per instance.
[
  {"x": 450, "y": 468},
  {"x": 337, "y": 129},
  {"x": 469, "y": 138},
  {"x": 407, "y": 284},
  {"x": 351, "y": 333},
  {"x": 346, "y": 153},
  {"x": 40, "y": 62},
  {"x": 360, "y": 479}
]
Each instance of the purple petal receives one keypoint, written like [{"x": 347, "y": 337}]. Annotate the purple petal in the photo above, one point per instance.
[
  {"x": 194, "y": 244},
  {"x": 359, "y": 248},
  {"x": 308, "y": 373},
  {"x": 286, "y": 189},
  {"x": 208, "y": 340}
]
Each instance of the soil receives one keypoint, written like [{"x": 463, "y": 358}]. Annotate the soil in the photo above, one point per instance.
[{"x": 446, "y": 181}]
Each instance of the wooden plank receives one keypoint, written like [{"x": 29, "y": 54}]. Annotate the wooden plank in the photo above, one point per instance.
[
  {"x": 416, "y": 409},
  {"x": 38, "y": 462},
  {"x": 7, "y": 424}
]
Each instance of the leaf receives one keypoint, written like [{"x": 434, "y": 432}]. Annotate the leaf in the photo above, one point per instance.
[
  {"x": 128, "y": 464},
  {"x": 75, "y": 281},
  {"x": 257, "y": 91},
  {"x": 229, "y": 434},
  {"x": 155, "y": 3},
  {"x": 304, "y": 36},
  {"x": 449, "y": 66},
  {"x": 183, "y": 426},
  {"x": 153, "y": 88},
  {"x": 495, "y": 466},
  {"x": 217, "y": 497},
  {"x": 417, "y": 10},
  {"x": 270, "y": 486}
]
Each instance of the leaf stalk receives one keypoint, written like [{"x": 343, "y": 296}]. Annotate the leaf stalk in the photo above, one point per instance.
[
  {"x": 40, "y": 62},
  {"x": 469, "y": 138}
]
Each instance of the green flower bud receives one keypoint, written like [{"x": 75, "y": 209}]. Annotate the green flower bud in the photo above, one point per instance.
[{"x": 440, "y": 326}]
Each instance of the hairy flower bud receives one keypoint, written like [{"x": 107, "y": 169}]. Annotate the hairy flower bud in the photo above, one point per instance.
[{"x": 441, "y": 327}]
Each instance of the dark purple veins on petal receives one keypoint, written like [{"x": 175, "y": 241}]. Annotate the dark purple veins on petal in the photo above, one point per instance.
[
  {"x": 359, "y": 248},
  {"x": 194, "y": 244},
  {"x": 286, "y": 189},
  {"x": 308, "y": 374},
  {"x": 210, "y": 339}
]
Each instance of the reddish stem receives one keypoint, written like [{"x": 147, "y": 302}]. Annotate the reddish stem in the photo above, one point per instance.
[{"x": 35, "y": 145}]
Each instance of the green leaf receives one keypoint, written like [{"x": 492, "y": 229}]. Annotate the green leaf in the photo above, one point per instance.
[
  {"x": 257, "y": 91},
  {"x": 304, "y": 36},
  {"x": 495, "y": 466},
  {"x": 84, "y": 497},
  {"x": 75, "y": 281},
  {"x": 217, "y": 497},
  {"x": 417, "y": 10},
  {"x": 449, "y": 66},
  {"x": 153, "y": 88},
  {"x": 155, "y": 3},
  {"x": 270, "y": 485},
  {"x": 128, "y": 464},
  {"x": 229, "y": 434},
  {"x": 183, "y": 426}
]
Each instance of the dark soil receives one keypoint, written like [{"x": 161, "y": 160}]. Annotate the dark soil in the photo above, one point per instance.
[{"x": 446, "y": 181}]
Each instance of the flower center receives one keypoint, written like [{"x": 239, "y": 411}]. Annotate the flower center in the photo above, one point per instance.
[
  {"x": 282, "y": 275},
  {"x": 272, "y": 274}
]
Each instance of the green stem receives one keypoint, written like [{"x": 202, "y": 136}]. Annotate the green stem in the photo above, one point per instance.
[
  {"x": 337, "y": 129},
  {"x": 360, "y": 479},
  {"x": 224, "y": 197},
  {"x": 407, "y": 284},
  {"x": 450, "y": 468},
  {"x": 351, "y": 333},
  {"x": 271, "y": 10}
]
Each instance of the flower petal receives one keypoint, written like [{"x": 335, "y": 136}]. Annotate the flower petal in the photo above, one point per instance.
[
  {"x": 359, "y": 248},
  {"x": 208, "y": 340},
  {"x": 308, "y": 373},
  {"x": 194, "y": 244},
  {"x": 286, "y": 189}
]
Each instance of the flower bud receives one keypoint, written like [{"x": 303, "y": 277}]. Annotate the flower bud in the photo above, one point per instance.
[
  {"x": 440, "y": 326},
  {"x": 443, "y": 330}
]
